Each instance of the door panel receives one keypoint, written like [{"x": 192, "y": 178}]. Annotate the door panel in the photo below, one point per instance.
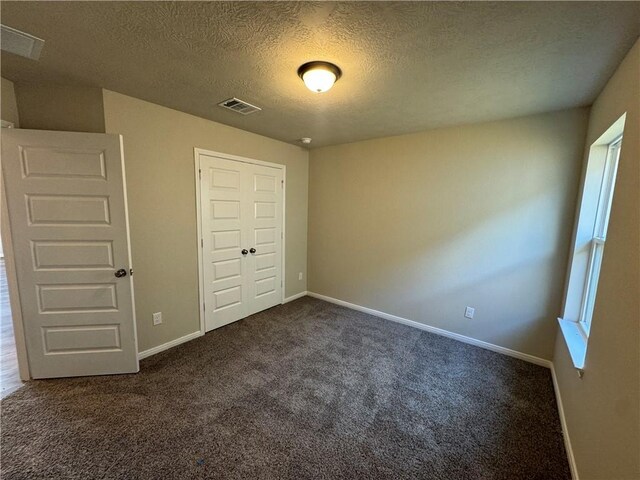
[
  {"x": 223, "y": 237},
  {"x": 265, "y": 230},
  {"x": 67, "y": 209},
  {"x": 241, "y": 208},
  {"x": 65, "y": 255},
  {"x": 82, "y": 339}
]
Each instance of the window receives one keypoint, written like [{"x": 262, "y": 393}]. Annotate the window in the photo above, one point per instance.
[
  {"x": 589, "y": 240},
  {"x": 596, "y": 248}
]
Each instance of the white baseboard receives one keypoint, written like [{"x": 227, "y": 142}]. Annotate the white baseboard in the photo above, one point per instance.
[
  {"x": 191, "y": 336},
  {"x": 565, "y": 429},
  {"x": 295, "y": 297},
  {"x": 438, "y": 331},
  {"x": 168, "y": 345}
]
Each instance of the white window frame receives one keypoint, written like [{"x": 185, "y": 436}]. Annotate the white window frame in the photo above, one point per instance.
[
  {"x": 589, "y": 239},
  {"x": 596, "y": 249}
]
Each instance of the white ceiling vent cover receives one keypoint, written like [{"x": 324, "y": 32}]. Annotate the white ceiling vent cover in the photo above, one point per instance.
[
  {"x": 20, "y": 43},
  {"x": 239, "y": 106}
]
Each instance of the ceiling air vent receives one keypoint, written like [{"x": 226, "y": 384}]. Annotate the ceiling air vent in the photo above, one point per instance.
[
  {"x": 20, "y": 43},
  {"x": 239, "y": 106}
]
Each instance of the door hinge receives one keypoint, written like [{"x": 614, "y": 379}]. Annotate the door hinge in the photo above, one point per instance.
[
  {"x": 204, "y": 307},
  {"x": 202, "y": 243},
  {"x": 200, "y": 173},
  {"x": 282, "y": 183}
]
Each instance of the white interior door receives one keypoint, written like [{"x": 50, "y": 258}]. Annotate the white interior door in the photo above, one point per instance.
[
  {"x": 69, "y": 228},
  {"x": 241, "y": 225},
  {"x": 264, "y": 263},
  {"x": 223, "y": 239}
]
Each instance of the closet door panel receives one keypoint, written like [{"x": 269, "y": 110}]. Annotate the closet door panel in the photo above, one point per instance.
[
  {"x": 265, "y": 264},
  {"x": 224, "y": 235}
]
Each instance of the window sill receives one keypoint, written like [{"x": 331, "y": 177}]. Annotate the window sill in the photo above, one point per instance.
[{"x": 575, "y": 340}]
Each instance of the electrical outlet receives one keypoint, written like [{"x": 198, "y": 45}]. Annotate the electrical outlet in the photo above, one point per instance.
[
  {"x": 469, "y": 312},
  {"x": 300, "y": 276},
  {"x": 157, "y": 318}
]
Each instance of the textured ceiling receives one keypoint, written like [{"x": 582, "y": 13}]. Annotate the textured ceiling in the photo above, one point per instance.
[{"x": 408, "y": 66}]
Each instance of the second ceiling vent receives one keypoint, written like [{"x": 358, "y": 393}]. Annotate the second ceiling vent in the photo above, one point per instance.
[{"x": 239, "y": 106}]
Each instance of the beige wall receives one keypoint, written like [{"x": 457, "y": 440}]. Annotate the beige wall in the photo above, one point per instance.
[
  {"x": 603, "y": 408},
  {"x": 8, "y": 105},
  {"x": 53, "y": 107},
  {"x": 158, "y": 148},
  {"x": 422, "y": 225}
]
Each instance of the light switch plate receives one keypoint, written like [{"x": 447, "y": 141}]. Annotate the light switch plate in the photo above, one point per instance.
[{"x": 469, "y": 312}]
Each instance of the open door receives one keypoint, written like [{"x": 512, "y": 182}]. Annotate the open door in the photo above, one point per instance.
[{"x": 67, "y": 207}]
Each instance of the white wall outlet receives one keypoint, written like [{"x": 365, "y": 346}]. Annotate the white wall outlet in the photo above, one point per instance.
[
  {"x": 157, "y": 318},
  {"x": 300, "y": 276},
  {"x": 469, "y": 312}
]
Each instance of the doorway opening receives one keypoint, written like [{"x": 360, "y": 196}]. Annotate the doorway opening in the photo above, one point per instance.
[{"x": 9, "y": 372}]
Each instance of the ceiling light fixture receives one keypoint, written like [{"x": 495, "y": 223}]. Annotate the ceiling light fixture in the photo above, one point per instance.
[{"x": 319, "y": 76}]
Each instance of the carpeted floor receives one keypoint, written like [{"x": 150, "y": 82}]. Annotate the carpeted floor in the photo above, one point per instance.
[{"x": 303, "y": 390}]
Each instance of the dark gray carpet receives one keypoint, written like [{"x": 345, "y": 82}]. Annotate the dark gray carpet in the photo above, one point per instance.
[{"x": 304, "y": 390}]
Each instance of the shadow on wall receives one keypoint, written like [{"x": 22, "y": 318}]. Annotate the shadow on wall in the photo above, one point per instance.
[
  {"x": 421, "y": 226},
  {"x": 494, "y": 263},
  {"x": 509, "y": 266}
]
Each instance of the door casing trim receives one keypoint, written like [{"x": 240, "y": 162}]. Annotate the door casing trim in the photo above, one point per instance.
[
  {"x": 12, "y": 286},
  {"x": 236, "y": 158}
]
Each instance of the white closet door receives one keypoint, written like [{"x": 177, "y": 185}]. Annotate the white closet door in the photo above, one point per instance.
[
  {"x": 224, "y": 237},
  {"x": 264, "y": 276},
  {"x": 241, "y": 224}
]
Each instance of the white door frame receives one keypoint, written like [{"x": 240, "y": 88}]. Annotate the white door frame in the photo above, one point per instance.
[
  {"x": 12, "y": 286},
  {"x": 201, "y": 151}
]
